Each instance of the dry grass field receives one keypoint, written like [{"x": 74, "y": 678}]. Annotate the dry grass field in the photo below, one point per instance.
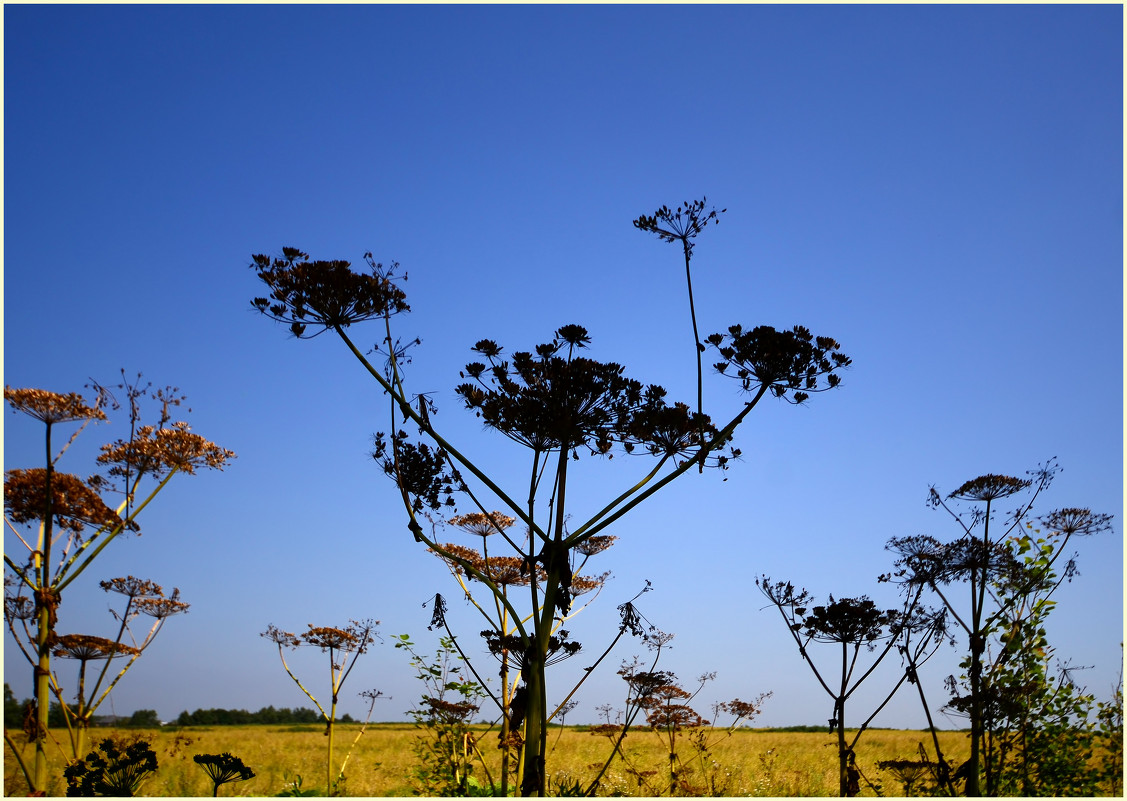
[{"x": 751, "y": 762}]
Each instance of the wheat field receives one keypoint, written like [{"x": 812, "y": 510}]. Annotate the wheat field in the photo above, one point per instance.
[{"x": 751, "y": 762}]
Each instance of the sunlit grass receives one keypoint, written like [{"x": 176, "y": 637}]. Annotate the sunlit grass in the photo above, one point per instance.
[{"x": 757, "y": 762}]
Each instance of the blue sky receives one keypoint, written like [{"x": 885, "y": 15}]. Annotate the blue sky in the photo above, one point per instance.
[{"x": 938, "y": 188}]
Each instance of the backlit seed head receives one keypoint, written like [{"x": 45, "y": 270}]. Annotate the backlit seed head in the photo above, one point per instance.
[{"x": 51, "y": 407}]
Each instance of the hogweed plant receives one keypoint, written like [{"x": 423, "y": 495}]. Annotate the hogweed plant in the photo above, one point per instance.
[
  {"x": 1009, "y": 577},
  {"x": 850, "y": 625},
  {"x": 559, "y": 406},
  {"x": 63, "y": 523},
  {"x": 344, "y": 647}
]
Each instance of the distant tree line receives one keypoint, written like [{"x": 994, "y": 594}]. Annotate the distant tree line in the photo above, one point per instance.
[
  {"x": 15, "y": 712},
  {"x": 241, "y": 717}
]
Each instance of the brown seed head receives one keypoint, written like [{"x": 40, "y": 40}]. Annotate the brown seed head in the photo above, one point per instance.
[
  {"x": 73, "y": 503},
  {"x": 51, "y": 407},
  {"x": 86, "y": 647}
]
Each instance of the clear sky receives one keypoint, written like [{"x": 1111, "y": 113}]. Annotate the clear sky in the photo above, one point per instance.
[{"x": 937, "y": 187}]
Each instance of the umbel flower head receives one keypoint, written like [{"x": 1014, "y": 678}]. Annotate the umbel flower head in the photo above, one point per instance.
[
  {"x": 989, "y": 488},
  {"x": 157, "y": 450},
  {"x": 1081, "y": 522},
  {"x": 86, "y": 647},
  {"x": 482, "y": 524},
  {"x": 780, "y": 360},
  {"x": 554, "y": 400},
  {"x": 73, "y": 504},
  {"x": 325, "y": 294},
  {"x": 223, "y": 768},
  {"x": 51, "y": 407},
  {"x": 680, "y": 225}
]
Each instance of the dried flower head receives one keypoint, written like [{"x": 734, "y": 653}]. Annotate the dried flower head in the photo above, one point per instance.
[
  {"x": 506, "y": 571},
  {"x": 595, "y": 544},
  {"x": 326, "y": 294},
  {"x": 51, "y": 407},
  {"x": 223, "y": 768},
  {"x": 86, "y": 647},
  {"x": 482, "y": 524},
  {"x": 157, "y": 450},
  {"x": 133, "y": 587},
  {"x": 353, "y": 638},
  {"x": 584, "y": 584},
  {"x": 780, "y": 360},
  {"x": 18, "y": 607},
  {"x": 989, "y": 488},
  {"x": 282, "y": 638},
  {"x": 160, "y": 608},
  {"x": 1081, "y": 522},
  {"x": 680, "y": 225},
  {"x": 73, "y": 503}
]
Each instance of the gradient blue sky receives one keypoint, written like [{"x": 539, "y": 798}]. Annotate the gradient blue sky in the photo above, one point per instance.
[{"x": 939, "y": 188}]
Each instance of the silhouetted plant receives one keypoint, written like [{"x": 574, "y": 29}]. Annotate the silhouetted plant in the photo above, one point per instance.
[
  {"x": 344, "y": 647},
  {"x": 116, "y": 771},
  {"x": 1010, "y": 576},
  {"x": 556, "y": 403},
  {"x": 223, "y": 769},
  {"x": 852, "y": 624},
  {"x": 74, "y": 524}
]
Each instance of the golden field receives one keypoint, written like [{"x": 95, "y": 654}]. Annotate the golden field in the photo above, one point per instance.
[{"x": 756, "y": 762}]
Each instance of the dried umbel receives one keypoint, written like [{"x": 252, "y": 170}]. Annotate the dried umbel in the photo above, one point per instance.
[
  {"x": 482, "y": 524},
  {"x": 848, "y": 621},
  {"x": 86, "y": 647},
  {"x": 223, "y": 768},
  {"x": 155, "y": 451},
  {"x": 51, "y": 407},
  {"x": 680, "y": 224},
  {"x": 325, "y": 294},
  {"x": 989, "y": 488},
  {"x": 161, "y": 608},
  {"x": 1079, "y": 522},
  {"x": 779, "y": 360},
  {"x": 133, "y": 587},
  {"x": 73, "y": 504}
]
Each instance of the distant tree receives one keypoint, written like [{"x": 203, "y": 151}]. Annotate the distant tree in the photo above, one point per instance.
[
  {"x": 145, "y": 719},
  {"x": 556, "y": 403},
  {"x": 13, "y": 709}
]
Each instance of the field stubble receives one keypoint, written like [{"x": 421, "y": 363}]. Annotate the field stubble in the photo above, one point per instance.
[{"x": 757, "y": 762}]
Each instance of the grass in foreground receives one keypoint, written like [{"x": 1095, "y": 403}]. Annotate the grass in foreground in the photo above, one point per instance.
[{"x": 756, "y": 762}]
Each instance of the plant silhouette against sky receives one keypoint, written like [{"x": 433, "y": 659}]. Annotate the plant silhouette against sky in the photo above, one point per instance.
[{"x": 559, "y": 405}]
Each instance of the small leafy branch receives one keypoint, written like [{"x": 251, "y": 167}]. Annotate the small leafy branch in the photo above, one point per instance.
[
  {"x": 73, "y": 524},
  {"x": 344, "y": 647},
  {"x": 447, "y": 747}
]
